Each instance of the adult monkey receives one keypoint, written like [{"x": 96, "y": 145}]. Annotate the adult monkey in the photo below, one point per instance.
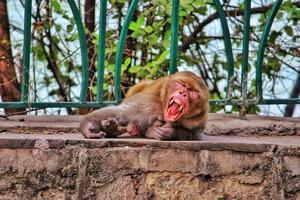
[{"x": 174, "y": 107}]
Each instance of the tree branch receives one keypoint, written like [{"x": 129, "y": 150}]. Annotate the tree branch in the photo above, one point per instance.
[
  {"x": 289, "y": 109},
  {"x": 232, "y": 13}
]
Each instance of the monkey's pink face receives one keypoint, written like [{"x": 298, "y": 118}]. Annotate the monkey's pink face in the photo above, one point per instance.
[{"x": 181, "y": 99}]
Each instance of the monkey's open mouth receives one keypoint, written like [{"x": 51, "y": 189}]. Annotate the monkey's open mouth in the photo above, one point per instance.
[{"x": 174, "y": 110}]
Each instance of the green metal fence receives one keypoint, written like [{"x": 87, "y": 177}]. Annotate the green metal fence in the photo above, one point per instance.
[{"x": 242, "y": 101}]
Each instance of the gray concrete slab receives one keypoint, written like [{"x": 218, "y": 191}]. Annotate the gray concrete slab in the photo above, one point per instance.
[
  {"x": 235, "y": 143},
  {"x": 257, "y": 158},
  {"x": 218, "y": 124},
  {"x": 224, "y": 132}
]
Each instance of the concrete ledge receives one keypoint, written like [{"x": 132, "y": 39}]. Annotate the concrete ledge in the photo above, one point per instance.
[
  {"x": 218, "y": 124},
  {"x": 56, "y": 162},
  {"x": 218, "y": 143}
]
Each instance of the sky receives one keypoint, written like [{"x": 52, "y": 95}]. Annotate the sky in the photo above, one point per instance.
[{"x": 283, "y": 88}]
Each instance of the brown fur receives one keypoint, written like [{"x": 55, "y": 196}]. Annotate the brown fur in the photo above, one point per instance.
[{"x": 142, "y": 111}]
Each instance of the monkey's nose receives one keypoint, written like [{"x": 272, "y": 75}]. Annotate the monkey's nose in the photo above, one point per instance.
[{"x": 182, "y": 93}]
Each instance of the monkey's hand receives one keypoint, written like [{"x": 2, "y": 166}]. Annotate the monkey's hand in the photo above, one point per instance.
[
  {"x": 133, "y": 128},
  {"x": 141, "y": 123},
  {"x": 164, "y": 132},
  {"x": 112, "y": 127},
  {"x": 92, "y": 130},
  {"x": 109, "y": 124}
]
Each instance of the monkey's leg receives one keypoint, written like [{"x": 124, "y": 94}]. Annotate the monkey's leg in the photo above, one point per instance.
[
  {"x": 92, "y": 130},
  {"x": 167, "y": 132}
]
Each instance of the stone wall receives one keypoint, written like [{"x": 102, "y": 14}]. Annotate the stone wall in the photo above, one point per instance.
[
  {"x": 67, "y": 168},
  {"x": 46, "y": 158}
]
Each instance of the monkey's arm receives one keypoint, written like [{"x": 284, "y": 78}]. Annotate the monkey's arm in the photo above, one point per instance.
[
  {"x": 142, "y": 122},
  {"x": 168, "y": 132},
  {"x": 102, "y": 123}
]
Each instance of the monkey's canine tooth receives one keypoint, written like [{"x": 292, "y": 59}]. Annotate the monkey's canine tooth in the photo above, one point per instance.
[
  {"x": 181, "y": 108},
  {"x": 172, "y": 101}
]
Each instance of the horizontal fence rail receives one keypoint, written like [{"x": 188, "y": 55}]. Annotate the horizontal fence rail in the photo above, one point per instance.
[{"x": 243, "y": 101}]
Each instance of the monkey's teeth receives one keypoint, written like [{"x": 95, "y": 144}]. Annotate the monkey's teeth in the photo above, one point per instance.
[
  {"x": 178, "y": 101},
  {"x": 172, "y": 101},
  {"x": 181, "y": 108}
]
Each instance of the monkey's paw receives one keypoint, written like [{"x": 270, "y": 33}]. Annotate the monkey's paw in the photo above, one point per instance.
[
  {"x": 91, "y": 130},
  {"x": 99, "y": 135},
  {"x": 165, "y": 132}
]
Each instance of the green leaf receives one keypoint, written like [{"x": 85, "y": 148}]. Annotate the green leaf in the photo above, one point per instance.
[
  {"x": 185, "y": 3},
  {"x": 38, "y": 50},
  {"x": 111, "y": 67},
  {"x": 149, "y": 29},
  {"x": 134, "y": 69},
  {"x": 163, "y": 56},
  {"x": 55, "y": 39},
  {"x": 200, "y": 3},
  {"x": 289, "y": 31},
  {"x": 273, "y": 36},
  {"x": 70, "y": 28},
  {"x": 169, "y": 9},
  {"x": 57, "y": 27},
  {"x": 140, "y": 21},
  {"x": 142, "y": 73},
  {"x": 127, "y": 62},
  {"x": 73, "y": 37},
  {"x": 166, "y": 43},
  {"x": 133, "y": 26},
  {"x": 137, "y": 33},
  {"x": 56, "y": 5},
  {"x": 182, "y": 13}
]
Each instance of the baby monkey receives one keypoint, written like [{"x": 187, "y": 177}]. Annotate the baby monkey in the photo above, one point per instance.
[
  {"x": 138, "y": 126},
  {"x": 112, "y": 125}
]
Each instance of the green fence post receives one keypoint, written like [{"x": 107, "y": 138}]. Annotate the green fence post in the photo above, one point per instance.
[
  {"x": 174, "y": 37},
  {"x": 83, "y": 50},
  {"x": 101, "y": 50},
  {"x": 228, "y": 47},
  {"x": 26, "y": 51},
  {"x": 121, "y": 44},
  {"x": 261, "y": 49}
]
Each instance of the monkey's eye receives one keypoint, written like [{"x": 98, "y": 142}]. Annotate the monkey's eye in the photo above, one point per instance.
[
  {"x": 191, "y": 89},
  {"x": 182, "y": 84},
  {"x": 196, "y": 90}
]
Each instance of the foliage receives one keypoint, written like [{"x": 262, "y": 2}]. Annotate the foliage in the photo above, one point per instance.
[{"x": 147, "y": 50}]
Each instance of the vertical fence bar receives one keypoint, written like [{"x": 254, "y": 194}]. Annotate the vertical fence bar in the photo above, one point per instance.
[
  {"x": 26, "y": 50},
  {"x": 245, "y": 55},
  {"x": 119, "y": 54},
  {"x": 261, "y": 49},
  {"x": 174, "y": 36},
  {"x": 228, "y": 47},
  {"x": 101, "y": 50},
  {"x": 83, "y": 50}
]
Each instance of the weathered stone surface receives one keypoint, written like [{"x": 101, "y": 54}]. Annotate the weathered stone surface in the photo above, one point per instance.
[
  {"x": 126, "y": 169},
  {"x": 292, "y": 164},
  {"x": 67, "y": 166},
  {"x": 218, "y": 124},
  {"x": 224, "y": 124}
]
